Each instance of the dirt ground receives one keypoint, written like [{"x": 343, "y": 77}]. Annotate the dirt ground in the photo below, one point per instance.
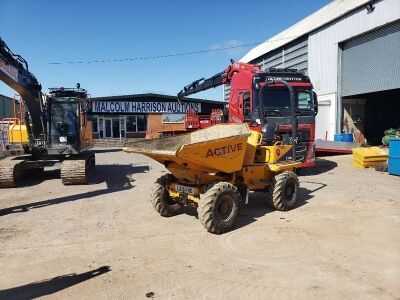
[{"x": 104, "y": 241}]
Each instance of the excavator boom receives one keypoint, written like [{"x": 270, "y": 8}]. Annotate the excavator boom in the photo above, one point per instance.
[{"x": 15, "y": 73}]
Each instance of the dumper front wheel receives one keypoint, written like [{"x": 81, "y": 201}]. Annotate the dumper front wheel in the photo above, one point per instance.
[
  {"x": 285, "y": 191},
  {"x": 218, "y": 207},
  {"x": 161, "y": 201}
]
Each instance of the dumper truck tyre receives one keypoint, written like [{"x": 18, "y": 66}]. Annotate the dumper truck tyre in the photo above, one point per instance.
[
  {"x": 218, "y": 207},
  {"x": 285, "y": 191},
  {"x": 161, "y": 201}
]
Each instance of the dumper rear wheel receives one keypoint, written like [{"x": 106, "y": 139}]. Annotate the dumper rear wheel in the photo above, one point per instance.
[
  {"x": 218, "y": 207},
  {"x": 285, "y": 191},
  {"x": 161, "y": 201}
]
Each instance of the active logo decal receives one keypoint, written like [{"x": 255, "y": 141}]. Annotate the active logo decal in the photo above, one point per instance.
[{"x": 219, "y": 151}]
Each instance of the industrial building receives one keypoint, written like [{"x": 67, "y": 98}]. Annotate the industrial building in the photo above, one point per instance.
[
  {"x": 6, "y": 107},
  {"x": 350, "y": 49},
  {"x": 143, "y": 115}
]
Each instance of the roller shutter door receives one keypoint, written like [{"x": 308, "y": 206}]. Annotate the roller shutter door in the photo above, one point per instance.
[{"x": 371, "y": 62}]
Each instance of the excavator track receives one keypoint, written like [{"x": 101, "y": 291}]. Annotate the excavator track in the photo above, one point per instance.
[
  {"x": 9, "y": 171},
  {"x": 74, "y": 170}
]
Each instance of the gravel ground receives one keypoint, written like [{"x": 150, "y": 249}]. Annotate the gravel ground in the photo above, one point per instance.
[{"x": 104, "y": 241}]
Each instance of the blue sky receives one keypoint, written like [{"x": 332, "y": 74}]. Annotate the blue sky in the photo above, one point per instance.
[{"x": 44, "y": 31}]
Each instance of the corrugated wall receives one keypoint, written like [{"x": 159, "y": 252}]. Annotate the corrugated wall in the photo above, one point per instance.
[
  {"x": 6, "y": 107},
  {"x": 293, "y": 55},
  {"x": 323, "y": 44}
]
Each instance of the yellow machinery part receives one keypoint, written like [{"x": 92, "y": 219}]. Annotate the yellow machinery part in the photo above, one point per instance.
[
  {"x": 17, "y": 134},
  {"x": 219, "y": 148},
  {"x": 272, "y": 154}
]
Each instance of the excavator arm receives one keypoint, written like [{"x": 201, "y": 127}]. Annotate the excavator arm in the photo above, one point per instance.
[{"x": 15, "y": 73}]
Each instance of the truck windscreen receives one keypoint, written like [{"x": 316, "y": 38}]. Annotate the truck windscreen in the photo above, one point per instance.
[{"x": 277, "y": 98}]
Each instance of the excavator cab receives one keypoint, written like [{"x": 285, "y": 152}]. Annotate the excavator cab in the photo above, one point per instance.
[{"x": 70, "y": 132}]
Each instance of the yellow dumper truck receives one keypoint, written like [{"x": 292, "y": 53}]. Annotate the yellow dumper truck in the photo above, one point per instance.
[{"x": 213, "y": 169}]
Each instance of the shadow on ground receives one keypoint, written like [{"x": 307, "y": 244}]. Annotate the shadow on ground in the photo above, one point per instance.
[
  {"x": 259, "y": 206},
  {"x": 107, "y": 150},
  {"x": 321, "y": 166},
  {"x": 50, "y": 286},
  {"x": 116, "y": 177},
  {"x": 32, "y": 178}
]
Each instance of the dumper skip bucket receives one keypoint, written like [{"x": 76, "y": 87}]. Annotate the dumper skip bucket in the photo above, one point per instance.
[{"x": 219, "y": 148}]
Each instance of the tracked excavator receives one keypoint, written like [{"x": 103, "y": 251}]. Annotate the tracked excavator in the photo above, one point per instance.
[{"x": 56, "y": 125}]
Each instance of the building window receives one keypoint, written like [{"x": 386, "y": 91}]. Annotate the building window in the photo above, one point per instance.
[
  {"x": 131, "y": 125},
  {"x": 136, "y": 123},
  {"x": 94, "y": 123},
  {"x": 142, "y": 124},
  {"x": 100, "y": 126},
  {"x": 173, "y": 118}
]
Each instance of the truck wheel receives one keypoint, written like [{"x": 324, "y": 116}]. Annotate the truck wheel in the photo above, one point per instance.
[
  {"x": 161, "y": 201},
  {"x": 218, "y": 207},
  {"x": 285, "y": 191}
]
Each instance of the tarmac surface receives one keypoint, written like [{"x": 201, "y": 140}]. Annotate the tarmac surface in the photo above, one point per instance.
[{"x": 104, "y": 241}]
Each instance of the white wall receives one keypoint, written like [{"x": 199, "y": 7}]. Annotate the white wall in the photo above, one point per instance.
[{"x": 325, "y": 120}]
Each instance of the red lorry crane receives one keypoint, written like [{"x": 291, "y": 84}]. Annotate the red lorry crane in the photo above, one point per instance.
[{"x": 262, "y": 99}]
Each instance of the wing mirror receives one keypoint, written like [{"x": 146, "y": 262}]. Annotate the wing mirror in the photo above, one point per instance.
[{"x": 315, "y": 103}]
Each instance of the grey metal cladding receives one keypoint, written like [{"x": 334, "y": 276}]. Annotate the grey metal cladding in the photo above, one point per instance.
[
  {"x": 293, "y": 55},
  {"x": 371, "y": 62}
]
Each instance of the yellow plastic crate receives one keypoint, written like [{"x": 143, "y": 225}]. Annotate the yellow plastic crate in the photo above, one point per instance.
[
  {"x": 369, "y": 157},
  {"x": 370, "y": 154},
  {"x": 366, "y": 164}
]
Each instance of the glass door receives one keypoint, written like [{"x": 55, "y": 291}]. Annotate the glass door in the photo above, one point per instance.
[
  {"x": 122, "y": 126},
  {"x": 107, "y": 131},
  {"x": 115, "y": 128}
]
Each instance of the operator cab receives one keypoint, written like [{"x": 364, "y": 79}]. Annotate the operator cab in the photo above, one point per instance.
[{"x": 68, "y": 107}]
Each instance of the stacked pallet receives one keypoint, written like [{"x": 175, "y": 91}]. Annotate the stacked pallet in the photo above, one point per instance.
[{"x": 366, "y": 157}]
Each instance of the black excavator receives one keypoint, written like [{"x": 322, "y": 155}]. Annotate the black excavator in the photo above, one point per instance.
[{"x": 56, "y": 126}]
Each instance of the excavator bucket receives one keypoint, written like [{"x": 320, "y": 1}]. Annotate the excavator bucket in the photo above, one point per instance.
[{"x": 219, "y": 148}]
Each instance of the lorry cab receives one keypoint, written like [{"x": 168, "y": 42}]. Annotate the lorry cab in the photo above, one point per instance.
[
  {"x": 262, "y": 98},
  {"x": 256, "y": 97}
]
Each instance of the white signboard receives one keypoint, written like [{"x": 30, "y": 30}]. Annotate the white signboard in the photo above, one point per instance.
[
  {"x": 143, "y": 107},
  {"x": 9, "y": 70}
]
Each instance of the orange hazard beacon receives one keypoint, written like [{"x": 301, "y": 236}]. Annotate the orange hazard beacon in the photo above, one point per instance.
[{"x": 261, "y": 98}]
